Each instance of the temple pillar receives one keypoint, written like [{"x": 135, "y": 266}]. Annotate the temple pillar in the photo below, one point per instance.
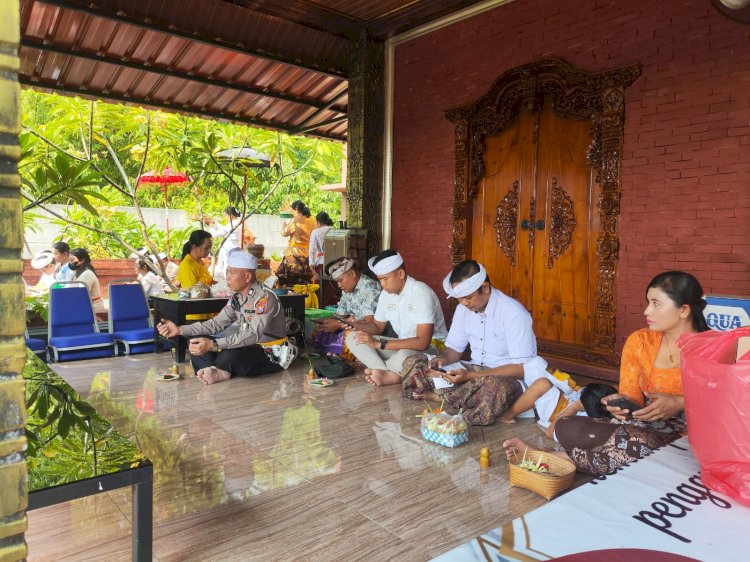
[
  {"x": 13, "y": 475},
  {"x": 365, "y": 147}
]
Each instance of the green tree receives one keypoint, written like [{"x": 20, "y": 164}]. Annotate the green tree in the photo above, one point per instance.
[{"x": 92, "y": 154}]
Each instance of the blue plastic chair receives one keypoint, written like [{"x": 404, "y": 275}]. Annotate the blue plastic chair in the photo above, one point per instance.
[
  {"x": 73, "y": 332},
  {"x": 36, "y": 345},
  {"x": 130, "y": 317}
]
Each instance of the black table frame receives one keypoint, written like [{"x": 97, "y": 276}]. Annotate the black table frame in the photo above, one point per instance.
[
  {"x": 140, "y": 478},
  {"x": 176, "y": 310}
]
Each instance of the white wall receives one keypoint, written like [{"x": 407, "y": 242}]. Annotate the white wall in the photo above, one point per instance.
[{"x": 265, "y": 227}]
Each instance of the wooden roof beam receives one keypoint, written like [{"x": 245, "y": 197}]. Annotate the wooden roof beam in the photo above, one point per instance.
[
  {"x": 67, "y": 51},
  {"x": 179, "y": 108},
  {"x": 125, "y": 19}
]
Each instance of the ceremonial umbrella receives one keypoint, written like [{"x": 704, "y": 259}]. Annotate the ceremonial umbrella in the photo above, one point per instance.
[
  {"x": 164, "y": 180},
  {"x": 247, "y": 158}
]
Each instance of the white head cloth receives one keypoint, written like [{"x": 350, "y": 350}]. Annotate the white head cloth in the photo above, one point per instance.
[
  {"x": 42, "y": 259},
  {"x": 339, "y": 268},
  {"x": 465, "y": 287},
  {"x": 385, "y": 266},
  {"x": 240, "y": 259}
]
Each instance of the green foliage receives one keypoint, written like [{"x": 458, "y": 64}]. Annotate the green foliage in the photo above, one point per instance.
[
  {"x": 90, "y": 154},
  {"x": 38, "y": 305},
  {"x": 103, "y": 246}
]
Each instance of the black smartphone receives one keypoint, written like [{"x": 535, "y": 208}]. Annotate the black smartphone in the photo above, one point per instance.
[
  {"x": 625, "y": 403},
  {"x": 439, "y": 370},
  {"x": 342, "y": 320}
]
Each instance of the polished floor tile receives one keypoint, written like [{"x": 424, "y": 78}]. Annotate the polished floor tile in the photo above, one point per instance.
[
  {"x": 271, "y": 469},
  {"x": 92, "y": 529}
]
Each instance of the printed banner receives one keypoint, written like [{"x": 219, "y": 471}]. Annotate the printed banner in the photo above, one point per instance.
[{"x": 656, "y": 508}]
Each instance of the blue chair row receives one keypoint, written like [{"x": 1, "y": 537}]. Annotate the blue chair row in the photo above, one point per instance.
[{"x": 74, "y": 332}]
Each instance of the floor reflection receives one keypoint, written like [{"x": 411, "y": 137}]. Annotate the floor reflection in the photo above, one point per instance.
[
  {"x": 251, "y": 462},
  {"x": 302, "y": 448}
]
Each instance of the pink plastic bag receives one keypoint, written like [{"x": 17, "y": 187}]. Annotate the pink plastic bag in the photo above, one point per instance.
[{"x": 717, "y": 405}]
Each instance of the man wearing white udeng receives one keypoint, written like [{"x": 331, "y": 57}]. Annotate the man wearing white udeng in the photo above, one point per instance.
[{"x": 414, "y": 312}]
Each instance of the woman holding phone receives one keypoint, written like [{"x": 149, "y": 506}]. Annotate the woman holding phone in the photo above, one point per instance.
[{"x": 648, "y": 410}]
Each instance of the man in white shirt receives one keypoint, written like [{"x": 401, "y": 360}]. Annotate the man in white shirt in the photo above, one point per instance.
[
  {"x": 498, "y": 329},
  {"x": 413, "y": 311}
]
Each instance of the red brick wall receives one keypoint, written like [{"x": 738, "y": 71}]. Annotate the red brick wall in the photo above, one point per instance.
[{"x": 686, "y": 159}]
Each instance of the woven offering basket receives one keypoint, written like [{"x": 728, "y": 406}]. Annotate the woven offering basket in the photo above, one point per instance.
[{"x": 559, "y": 478}]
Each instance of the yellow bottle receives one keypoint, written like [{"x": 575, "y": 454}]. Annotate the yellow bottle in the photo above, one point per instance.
[
  {"x": 484, "y": 458},
  {"x": 311, "y": 374}
]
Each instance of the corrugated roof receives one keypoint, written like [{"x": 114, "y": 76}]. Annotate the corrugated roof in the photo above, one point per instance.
[{"x": 279, "y": 65}]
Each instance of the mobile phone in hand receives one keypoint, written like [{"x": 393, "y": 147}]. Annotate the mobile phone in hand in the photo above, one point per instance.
[
  {"x": 439, "y": 369},
  {"x": 625, "y": 403},
  {"x": 342, "y": 320}
]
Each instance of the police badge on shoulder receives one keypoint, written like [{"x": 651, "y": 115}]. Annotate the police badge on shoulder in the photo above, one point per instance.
[{"x": 261, "y": 306}]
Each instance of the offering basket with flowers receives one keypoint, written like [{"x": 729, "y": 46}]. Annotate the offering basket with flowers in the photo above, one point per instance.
[
  {"x": 542, "y": 473},
  {"x": 444, "y": 429}
]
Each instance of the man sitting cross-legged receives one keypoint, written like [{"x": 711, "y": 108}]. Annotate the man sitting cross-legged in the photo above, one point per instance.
[
  {"x": 359, "y": 298},
  {"x": 498, "y": 330},
  {"x": 234, "y": 343},
  {"x": 414, "y": 312}
]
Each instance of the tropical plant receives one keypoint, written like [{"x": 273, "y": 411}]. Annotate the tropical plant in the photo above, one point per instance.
[
  {"x": 92, "y": 155},
  {"x": 37, "y": 305}
]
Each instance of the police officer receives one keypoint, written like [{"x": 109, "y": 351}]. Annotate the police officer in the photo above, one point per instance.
[{"x": 248, "y": 336}]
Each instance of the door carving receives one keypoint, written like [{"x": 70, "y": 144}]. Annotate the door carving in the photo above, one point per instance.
[
  {"x": 506, "y": 223},
  {"x": 536, "y": 199},
  {"x": 562, "y": 222}
]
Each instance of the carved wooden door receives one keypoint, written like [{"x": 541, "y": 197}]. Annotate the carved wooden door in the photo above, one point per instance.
[
  {"x": 533, "y": 225},
  {"x": 536, "y": 199}
]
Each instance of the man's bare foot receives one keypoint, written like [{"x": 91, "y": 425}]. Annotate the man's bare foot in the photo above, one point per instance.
[
  {"x": 211, "y": 375},
  {"x": 379, "y": 377},
  {"x": 426, "y": 396},
  {"x": 514, "y": 448},
  {"x": 507, "y": 418}
]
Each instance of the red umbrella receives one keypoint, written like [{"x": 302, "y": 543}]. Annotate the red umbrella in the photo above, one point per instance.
[{"x": 164, "y": 179}]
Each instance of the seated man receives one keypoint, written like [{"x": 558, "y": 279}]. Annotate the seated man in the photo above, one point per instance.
[
  {"x": 44, "y": 262},
  {"x": 412, "y": 309},
  {"x": 498, "y": 329},
  {"x": 359, "y": 297},
  {"x": 251, "y": 318}
]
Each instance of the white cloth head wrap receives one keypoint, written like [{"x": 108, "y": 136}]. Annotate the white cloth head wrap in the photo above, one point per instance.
[
  {"x": 42, "y": 259},
  {"x": 386, "y": 265},
  {"x": 241, "y": 259},
  {"x": 339, "y": 268},
  {"x": 465, "y": 287}
]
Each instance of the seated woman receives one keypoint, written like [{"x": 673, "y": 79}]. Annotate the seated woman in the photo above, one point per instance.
[
  {"x": 151, "y": 282},
  {"x": 649, "y": 376},
  {"x": 83, "y": 271},
  {"x": 192, "y": 270}
]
